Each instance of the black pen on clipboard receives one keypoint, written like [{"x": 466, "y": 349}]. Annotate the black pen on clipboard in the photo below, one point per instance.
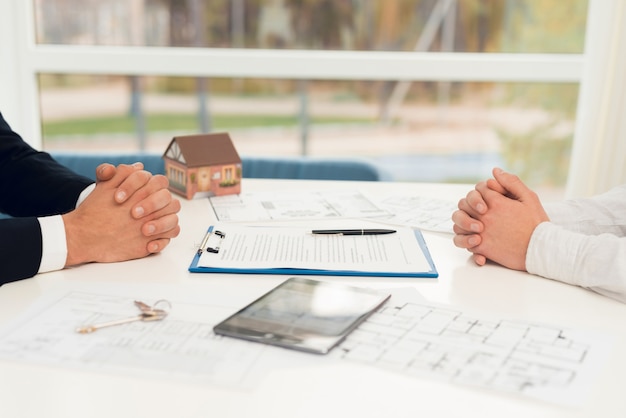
[{"x": 361, "y": 231}]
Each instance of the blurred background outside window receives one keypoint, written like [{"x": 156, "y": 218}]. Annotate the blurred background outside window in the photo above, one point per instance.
[{"x": 418, "y": 131}]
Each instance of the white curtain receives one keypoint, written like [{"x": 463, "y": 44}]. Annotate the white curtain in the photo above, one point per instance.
[
  {"x": 18, "y": 82},
  {"x": 599, "y": 151},
  {"x": 9, "y": 68}
]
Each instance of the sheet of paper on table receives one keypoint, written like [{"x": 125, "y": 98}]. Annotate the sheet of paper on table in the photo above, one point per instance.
[
  {"x": 421, "y": 212},
  {"x": 294, "y": 205},
  {"x": 408, "y": 335}
]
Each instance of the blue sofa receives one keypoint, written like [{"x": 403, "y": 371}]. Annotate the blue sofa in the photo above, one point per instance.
[{"x": 253, "y": 167}]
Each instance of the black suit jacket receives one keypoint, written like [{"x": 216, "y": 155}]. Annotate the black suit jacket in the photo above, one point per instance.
[{"x": 32, "y": 184}]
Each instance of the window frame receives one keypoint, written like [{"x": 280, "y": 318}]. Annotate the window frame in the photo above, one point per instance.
[
  {"x": 32, "y": 59},
  {"x": 19, "y": 99}
]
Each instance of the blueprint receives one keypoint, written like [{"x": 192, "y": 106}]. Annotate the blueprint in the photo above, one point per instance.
[
  {"x": 294, "y": 205},
  {"x": 182, "y": 346},
  {"x": 408, "y": 335},
  {"x": 433, "y": 341},
  {"x": 431, "y": 214}
]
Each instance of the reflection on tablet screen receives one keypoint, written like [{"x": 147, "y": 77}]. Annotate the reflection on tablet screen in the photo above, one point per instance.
[{"x": 304, "y": 314}]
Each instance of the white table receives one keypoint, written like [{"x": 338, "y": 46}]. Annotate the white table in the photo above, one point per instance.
[{"x": 344, "y": 389}]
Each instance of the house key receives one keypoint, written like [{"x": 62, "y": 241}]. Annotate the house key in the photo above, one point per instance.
[{"x": 148, "y": 313}]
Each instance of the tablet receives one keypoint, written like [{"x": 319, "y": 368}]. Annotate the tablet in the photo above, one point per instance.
[{"x": 304, "y": 314}]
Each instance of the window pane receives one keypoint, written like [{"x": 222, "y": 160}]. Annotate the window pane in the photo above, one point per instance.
[
  {"x": 523, "y": 26},
  {"x": 440, "y": 132}
]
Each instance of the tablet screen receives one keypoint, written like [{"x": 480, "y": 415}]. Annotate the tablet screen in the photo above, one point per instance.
[{"x": 304, "y": 314}]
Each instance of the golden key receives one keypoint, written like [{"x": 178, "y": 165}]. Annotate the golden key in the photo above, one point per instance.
[{"x": 148, "y": 313}]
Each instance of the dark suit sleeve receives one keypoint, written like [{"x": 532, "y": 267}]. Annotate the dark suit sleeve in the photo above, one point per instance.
[
  {"x": 20, "y": 248},
  {"x": 32, "y": 184}
]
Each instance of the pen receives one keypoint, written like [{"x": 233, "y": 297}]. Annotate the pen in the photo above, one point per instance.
[{"x": 353, "y": 231}]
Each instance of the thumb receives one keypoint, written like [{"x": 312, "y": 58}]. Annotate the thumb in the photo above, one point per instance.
[
  {"x": 105, "y": 172},
  {"x": 515, "y": 188}
]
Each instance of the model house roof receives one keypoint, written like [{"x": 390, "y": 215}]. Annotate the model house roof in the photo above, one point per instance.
[{"x": 202, "y": 150}]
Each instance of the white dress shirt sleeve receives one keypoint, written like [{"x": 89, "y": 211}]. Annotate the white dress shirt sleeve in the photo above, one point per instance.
[
  {"x": 54, "y": 251},
  {"x": 584, "y": 244}
]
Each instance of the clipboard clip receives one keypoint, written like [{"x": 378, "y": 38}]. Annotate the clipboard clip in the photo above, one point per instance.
[
  {"x": 211, "y": 249},
  {"x": 216, "y": 249}
]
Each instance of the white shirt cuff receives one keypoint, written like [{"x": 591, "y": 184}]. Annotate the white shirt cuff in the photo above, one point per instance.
[
  {"x": 54, "y": 244},
  {"x": 85, "y": 193},
  {"x": 54, "y": 241}
]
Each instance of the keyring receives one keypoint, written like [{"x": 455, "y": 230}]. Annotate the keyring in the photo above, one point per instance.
[{"x": 162, "y": 305}]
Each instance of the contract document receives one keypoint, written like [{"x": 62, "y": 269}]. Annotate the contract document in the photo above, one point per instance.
[{"x": 295, "y": 250}]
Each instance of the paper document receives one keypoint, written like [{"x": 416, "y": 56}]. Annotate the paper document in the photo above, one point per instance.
[
  {"x": 426, "y": 213},
  {"x": 268, "y": 247},
  {"x": 294, "y": 205},
  {"x": 422, "y": 339},
  {"x": 422, "y": 212},
  {"x": 182, "y": 346},
  {"x": 408, "y": 335}
]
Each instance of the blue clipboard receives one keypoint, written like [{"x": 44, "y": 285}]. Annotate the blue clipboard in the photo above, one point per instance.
[{"x": 431, "y": 273}]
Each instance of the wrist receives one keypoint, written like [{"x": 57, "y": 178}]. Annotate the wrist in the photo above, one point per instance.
[{"x": 77, "y": 252}]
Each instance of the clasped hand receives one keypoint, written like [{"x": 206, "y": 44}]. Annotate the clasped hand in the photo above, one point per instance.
[
  {"x": 129, "y": 214},
  {"x": 495, "y": 221}
]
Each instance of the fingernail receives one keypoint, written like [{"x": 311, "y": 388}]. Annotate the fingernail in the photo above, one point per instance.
[
  {"x": 120, "y": 196},
  {"x": 154, "y": 248},
  {"x": 473, "y": 241},
  {"x": 139, "y": 211},
  {"x": 151, "y": 229},
  {"x": 474, "y": 227},
  {"x": 137, "y": 164},
  {"x": 480, "y": 208}
]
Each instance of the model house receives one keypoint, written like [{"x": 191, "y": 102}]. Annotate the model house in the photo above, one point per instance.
[{"x": 203, "y": 165}]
